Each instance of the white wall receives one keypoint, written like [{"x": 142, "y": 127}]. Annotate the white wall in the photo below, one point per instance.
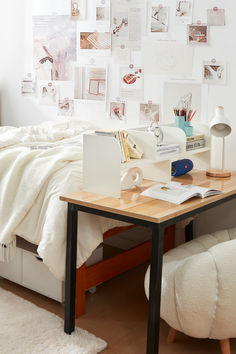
[{"x": 16, "y": 53}]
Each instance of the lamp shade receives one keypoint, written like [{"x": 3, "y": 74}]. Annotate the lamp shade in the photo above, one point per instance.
[{"x": 220, "y": 126}]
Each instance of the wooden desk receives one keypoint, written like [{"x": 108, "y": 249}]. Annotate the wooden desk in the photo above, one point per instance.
[{"x": 152, "y": 213}]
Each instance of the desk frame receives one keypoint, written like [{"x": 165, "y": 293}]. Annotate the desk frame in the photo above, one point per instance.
[{"x": 155, "y": 269}]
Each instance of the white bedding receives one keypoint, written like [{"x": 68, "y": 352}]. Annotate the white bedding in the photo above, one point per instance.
[{"x": 31, "y": 182}]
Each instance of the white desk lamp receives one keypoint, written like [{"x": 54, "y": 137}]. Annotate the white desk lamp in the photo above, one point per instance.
[{"x": 220, "y": 127}]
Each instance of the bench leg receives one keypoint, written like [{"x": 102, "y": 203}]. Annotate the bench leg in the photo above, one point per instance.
[
  {"x": 171, "y": 335},
  {"x": 80, "y": 299},
  {"x": 225, "y": 346},
  {"x": 224, "y": 343}
]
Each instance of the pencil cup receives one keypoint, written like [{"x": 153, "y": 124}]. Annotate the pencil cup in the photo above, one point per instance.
[
  {"x": 188, "y": 128},
  {"x": 179, "y": 122}
]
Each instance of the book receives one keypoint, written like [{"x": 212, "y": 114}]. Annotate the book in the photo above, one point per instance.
[
  {"x": 129, "y": 148},
  {"x": 125, "y": 145},
  {"x": 134, "y": 150},
  {"x": 177, "y": 193},
  {"x": 197, "y": 144},
  {"x": 28, "y": 86},
  {"x": 167, "y": 147},
  {"x": 195, "y": 137},
  {"x": 123, "y": 159},
  {"x": 108, "y": 132},
  {"x": 168, "y": 152}
]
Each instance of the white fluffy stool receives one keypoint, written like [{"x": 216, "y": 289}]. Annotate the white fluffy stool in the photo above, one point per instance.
[{"x": 199, "y": 288}]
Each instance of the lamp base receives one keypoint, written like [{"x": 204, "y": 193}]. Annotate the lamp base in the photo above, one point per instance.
[{"x": 214, "y": 172}]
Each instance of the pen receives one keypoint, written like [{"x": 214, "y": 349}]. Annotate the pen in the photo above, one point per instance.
[
  {"x": 192, "y": 116},
  {"x": 189, "y": 114}
]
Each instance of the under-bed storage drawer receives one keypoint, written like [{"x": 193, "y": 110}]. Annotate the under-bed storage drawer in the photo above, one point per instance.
[
  {"x": 36, "y": 276},
  {"x": 12, "y": 270}
]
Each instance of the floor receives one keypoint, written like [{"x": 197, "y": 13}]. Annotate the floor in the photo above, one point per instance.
[{"x": 117, "y": 312}]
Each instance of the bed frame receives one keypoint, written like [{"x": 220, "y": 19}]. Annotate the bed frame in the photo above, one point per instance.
[
  {"x": 88, "y": 277},
  {"x": 27, "y": 263}
]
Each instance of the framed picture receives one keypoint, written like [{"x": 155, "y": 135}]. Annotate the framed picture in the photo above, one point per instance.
[
  {"x": 65, "y": 107},
  {"x": 159, "y": 19},
  {"x": 78, "y": 10},
  {"x": 101, "y": 14},
  {"x": 216, "y": 17},
  {"x": 214, "y": 73},
  {"x": 198, "y": 34},
  {"x": 148, "y": 113},
  {"x": 102, "y": 9},
  {"x": 184, "y": 11},
  {"x": 90, "y": 83},
  {"x": 55, "y": 40},
  {"x": 49, "y": 94},
  {"x": 118, "y": 110},
  {"x": 120, "y": 24},
  {"x": 28, "y": 85},
  {"x": 96, "y": 86},
  {"x": 126, "y": 23},
  {"x": 95, "y": 41},
  {"x": 131, "y": 83}
]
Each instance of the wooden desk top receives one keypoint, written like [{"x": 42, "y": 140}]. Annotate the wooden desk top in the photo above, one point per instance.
[{"x": 132, "y": 204}]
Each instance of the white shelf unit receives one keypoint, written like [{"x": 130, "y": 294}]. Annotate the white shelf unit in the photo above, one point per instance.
[{"x": 102, "y": 168}]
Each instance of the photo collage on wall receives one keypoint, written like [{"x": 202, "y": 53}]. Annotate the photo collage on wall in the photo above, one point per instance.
[{"x": 104, "y": 52}]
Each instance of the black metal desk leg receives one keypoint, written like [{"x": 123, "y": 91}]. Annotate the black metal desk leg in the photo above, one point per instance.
[
  {"x": 70, "y": 282},
  {"x": 155, "y": 290},
  {"x": 189, "y": 232}
]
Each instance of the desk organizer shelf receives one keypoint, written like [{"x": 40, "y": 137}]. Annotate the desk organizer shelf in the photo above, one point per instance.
[{"x": 102, "y": 167}]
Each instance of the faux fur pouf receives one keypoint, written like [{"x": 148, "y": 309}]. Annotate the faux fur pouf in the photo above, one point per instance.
[
  {"x": 28, "y": 329},
  {"x": 199, "y": 286}
]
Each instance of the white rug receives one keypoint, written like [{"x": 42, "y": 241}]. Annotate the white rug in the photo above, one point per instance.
[{"x": 28, "y": 329}]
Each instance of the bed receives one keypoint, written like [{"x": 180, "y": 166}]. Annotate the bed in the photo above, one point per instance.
[{"x": 38, "y": 164}]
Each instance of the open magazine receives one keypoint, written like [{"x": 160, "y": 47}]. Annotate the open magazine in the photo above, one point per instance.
[{"x": 177, "y": 193}]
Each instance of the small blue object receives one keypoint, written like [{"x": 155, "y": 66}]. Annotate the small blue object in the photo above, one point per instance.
[{"x": 181, "y": 167}]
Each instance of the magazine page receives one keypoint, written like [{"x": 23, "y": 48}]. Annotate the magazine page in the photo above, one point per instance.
[
  {"x": 177, "y": 193},
  {"x": 210, "y": 192},
  {"x": 202, "y": 191},
  {"x": 173, "y": 192},
  {"x": 127, "y": 24}
]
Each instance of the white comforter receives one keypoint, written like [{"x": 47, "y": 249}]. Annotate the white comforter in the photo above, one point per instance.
[{"x": 31, "y": 182}]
